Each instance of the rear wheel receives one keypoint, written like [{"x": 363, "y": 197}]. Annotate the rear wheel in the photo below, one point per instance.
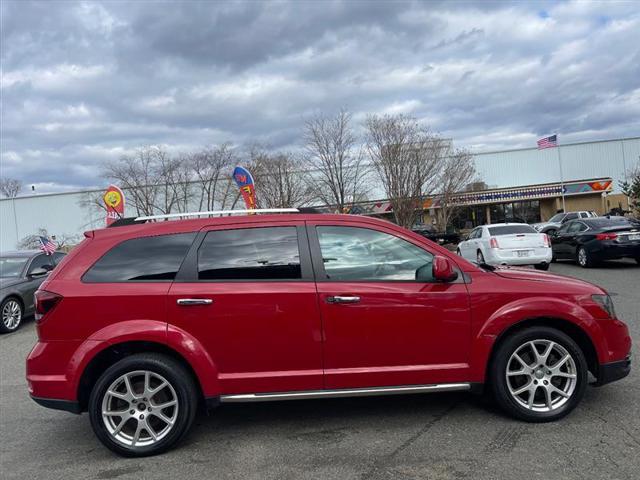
[
  {"x": 542, "y": 266},
  {"x": 638, "y": 260},
  {"x": 143, "y": 405},
  {"x": 480, "y": 257},
  {"x": 10, "y": 315},
  {"x": 538, "y": 374},
  {"x": 584, "y": 258}
]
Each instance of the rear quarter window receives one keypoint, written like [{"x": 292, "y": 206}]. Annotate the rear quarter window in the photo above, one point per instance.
[
  {"x": 511, "y": 230},
  {"x": 142, "y": 259}
]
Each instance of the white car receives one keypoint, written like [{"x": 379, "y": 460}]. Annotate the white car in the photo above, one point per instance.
[{"x": 507, "y": 244}]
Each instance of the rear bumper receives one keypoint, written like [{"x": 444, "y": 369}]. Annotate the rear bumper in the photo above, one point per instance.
[
  {"x": 610, "y": 372},
  {"x": 611, "y": 250},
  {"x": 57, "y": 404},
  {"x": 510, "y": 257}
]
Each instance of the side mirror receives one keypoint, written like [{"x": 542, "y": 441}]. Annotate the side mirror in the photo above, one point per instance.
[
  {"x": 38, "y": 272},
  {"x": 442, "y": 269}
]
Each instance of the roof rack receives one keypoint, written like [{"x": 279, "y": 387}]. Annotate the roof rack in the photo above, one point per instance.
[{"x": 215, "y": 212}]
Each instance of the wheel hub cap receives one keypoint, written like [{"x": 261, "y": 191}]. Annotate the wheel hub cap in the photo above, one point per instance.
[
  {"x": 139, "y": 408},
  {"x": 11, "y": 314},
  {"x": 541, "y": 375}
]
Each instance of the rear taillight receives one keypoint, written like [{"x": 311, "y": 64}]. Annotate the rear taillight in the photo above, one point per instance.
[
  {"x": 493, "y": 242},
  {"x": 545, "y": 239},
  {"x": 45, "y": 302},
  {"x": 606, "y": 236}
]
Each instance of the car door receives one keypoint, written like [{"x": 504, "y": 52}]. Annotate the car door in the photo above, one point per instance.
[
  {"x": 381, "y": 327},
  {"x": 559, "y": 241},
  {"x": 246, "y": 293},
  {"x": 469, "y": 251},
  {"x": 573, "y": 233},
  {"x": 32, "y": 284}
]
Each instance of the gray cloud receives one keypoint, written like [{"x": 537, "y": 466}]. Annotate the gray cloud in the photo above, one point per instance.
[{"x": 84, "y": 82}]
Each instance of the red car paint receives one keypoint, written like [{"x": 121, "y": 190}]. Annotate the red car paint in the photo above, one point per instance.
[{"x": 274, "y": 336}]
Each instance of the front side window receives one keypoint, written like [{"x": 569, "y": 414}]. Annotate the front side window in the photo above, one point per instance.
[
  {"x": 142, "y": 259},
  {"x": 356, "y": 254},
  {"x": 41, "y": 261},
  {"x": 266, "y": 253}
]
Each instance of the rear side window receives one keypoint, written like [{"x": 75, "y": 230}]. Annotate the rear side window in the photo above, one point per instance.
[
  {"x": 266, "y": 253},
  {"x": 142, "y": 259},
  {"x": 511, "y": 230}
]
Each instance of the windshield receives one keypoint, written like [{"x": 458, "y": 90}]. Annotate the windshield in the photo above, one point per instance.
[
  {"x": 11, "y": 267},
  {"x": 511, "y": 230},
  {"x": 557, "y": 218}
]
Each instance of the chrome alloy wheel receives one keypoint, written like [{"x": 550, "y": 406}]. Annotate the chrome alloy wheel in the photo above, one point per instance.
[
  {"x": 11, "y": 314},
  {"x": 541, "y": 375},
  {"x": 582, "y": 257},
  {"x": 139, "y": 408}
]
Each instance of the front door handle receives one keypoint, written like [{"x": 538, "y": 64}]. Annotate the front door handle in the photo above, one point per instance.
[
  {"x": 339, "y": 299},
  {"x": 185, "y": 302}
]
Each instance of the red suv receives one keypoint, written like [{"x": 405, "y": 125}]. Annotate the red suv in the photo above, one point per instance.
[{"x": 141, "y": 324}]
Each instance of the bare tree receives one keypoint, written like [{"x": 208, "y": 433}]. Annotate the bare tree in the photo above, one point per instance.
[
  {"x": 457, "y": 170},
  {"x": 211, "y": 168},
  {"x": 10, "y": 187},
  {"x": 406, "y": 157},
  {"x": 63, "y": 241},
  {"x": 280, "y": 179},
  {"x": 153, "y": 181},
  {"x": 338, "y": 172}
]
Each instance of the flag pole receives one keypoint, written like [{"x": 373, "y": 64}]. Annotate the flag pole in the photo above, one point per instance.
[{"x": 564, "y": 206}]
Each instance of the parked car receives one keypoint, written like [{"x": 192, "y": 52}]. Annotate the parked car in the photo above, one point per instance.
[
  {"x": 142, "y": 323},
  {"x": 507, "y": 244},
  {"x": 21, "y": 273},
  {"x": 443, "y": 238},
  {"x": 560, "y": 219},
  {"x": 591, "y": 240}
]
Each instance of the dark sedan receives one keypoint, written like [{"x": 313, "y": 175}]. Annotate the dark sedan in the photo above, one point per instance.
[
  {"x": 591, "y": 240},
  {"x": 21, "y": 273}
]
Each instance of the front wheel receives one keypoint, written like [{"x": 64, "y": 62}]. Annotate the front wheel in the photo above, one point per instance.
[
  {"x": 10, "y": 315},
  {"x": 538, "y": 374},
  {"x": 143, "y": 405}
]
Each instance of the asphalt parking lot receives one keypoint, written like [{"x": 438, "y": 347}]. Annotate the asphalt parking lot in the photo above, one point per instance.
[{"x": 446, "y": 436}]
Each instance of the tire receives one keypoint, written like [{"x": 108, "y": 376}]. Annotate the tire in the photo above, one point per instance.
[
  {"x": 180, "y": 389},
  {"x": 11, "y": 314},
  {"x": 542, "y": 266},
  {"x": 550, "y": 232},
  {"x": 480, "y": 257},
  {"x": 505, "y": 388},
  {"x": 458, "y": 252},
  {"x": 638, "y": 260},
  {"x": 583, "y": 258}
]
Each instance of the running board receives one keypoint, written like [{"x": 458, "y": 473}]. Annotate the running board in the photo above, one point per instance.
[{"x": 350, "y": 392}]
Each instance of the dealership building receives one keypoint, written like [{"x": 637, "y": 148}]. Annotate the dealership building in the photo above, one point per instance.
[{"x": 523, "y": 184}]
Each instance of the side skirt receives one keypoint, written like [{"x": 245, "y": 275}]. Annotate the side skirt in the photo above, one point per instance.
[{"x": 350, "y": 392}]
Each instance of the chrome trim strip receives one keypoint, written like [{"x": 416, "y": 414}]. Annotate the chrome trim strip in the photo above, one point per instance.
[{"x": 349, "y": 392}]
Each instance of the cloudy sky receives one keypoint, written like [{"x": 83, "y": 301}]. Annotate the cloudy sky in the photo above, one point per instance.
[{"x": 85, "y": 82}]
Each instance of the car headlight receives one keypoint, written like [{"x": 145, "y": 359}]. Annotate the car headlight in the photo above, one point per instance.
[{"x": 606, "y": 303}]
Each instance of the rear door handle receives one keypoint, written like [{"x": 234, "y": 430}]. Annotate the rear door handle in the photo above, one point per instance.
[
  {"x": 339, "y": 299},
  {"x": 185, "y": 302}
]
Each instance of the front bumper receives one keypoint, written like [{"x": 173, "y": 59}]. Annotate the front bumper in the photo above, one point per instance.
[{"x": 610, "y": 372}]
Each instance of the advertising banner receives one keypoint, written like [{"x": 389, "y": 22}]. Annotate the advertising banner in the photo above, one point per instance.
[
  {"x": 244, "y": 180},
  {"x": 114, "y": 202}
]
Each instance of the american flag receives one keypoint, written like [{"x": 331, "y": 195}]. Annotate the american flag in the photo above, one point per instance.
[
  {"x": 548, "y": 142},
  {"x": 47, "y": 246}
]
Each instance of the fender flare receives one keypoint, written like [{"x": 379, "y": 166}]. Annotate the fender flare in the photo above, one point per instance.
[
  {"x": 181, "y": 342},
  {"x": 522, "y": 310}
]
